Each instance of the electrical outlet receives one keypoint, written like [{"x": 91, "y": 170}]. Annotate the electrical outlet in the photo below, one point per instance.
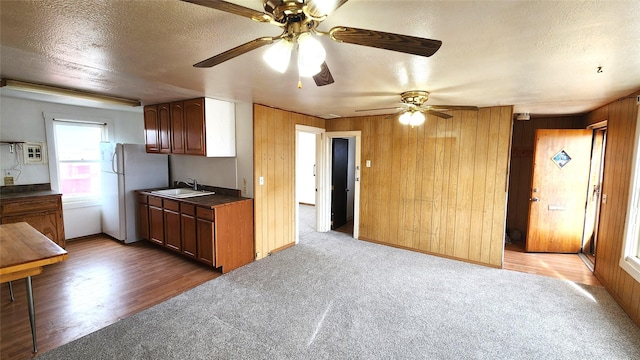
[{"x": 8, "y": 180}]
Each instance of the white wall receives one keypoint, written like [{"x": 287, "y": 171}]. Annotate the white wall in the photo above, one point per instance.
[
  {"x": 22, "y": 120},
  {"x": 305, "y": 175},
  {"x": 244, "y": 148}
]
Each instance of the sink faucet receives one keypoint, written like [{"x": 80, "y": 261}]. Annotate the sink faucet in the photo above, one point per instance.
[{"x": 194, "y": 183}]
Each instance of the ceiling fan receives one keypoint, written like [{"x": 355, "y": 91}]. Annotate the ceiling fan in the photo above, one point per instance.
[
  {"x": 299, "y": 20},
  {"x": 412, "y": 108}
]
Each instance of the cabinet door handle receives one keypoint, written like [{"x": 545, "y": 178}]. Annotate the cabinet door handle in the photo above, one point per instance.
[{"x": 535, "y": 199}]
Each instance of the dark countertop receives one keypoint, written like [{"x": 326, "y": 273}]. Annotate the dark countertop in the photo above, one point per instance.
[
  {"x": 20, "y": 195},
  {"x": 23, "y": 191},
  {"x": 210, "y": 201}
]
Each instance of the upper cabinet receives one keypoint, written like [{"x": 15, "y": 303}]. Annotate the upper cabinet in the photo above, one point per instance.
[{"x": 202, "y": 126}]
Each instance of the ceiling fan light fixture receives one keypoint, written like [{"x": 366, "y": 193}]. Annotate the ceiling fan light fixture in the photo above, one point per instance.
[
  {"x": 311, "y": 54},
  {"x": 279, "y": 55},
  {"x": 417, "y": 119},
  {"x": 405, "y": 118}
]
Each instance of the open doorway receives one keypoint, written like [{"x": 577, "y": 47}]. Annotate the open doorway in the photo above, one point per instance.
[
  {"x": 342, "y": 184},
  {"x": 522, "y": 193},
  {"x": 319, "y": 162},
  {"x": 309, "y": 184}
]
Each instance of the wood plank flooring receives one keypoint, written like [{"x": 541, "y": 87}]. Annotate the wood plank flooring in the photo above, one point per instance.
[
  {"x": 563, "y": 266},
  {"x": 102, "y": 282}
]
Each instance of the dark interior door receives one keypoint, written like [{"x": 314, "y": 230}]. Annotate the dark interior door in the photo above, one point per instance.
[{"x": 339, "y": 161}]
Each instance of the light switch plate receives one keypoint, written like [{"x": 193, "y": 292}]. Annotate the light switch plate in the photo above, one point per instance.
[{"x": 368, "y": 163}]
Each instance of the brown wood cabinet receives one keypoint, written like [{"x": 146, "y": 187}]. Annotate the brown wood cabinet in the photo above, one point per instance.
[
  {"x": 156, "y": 220},
  {"x": 177, "y": 128},
  {"x": 143, "y": 216},
  {"x": 194, "y": 130},
  {"x": 44, "y": 213},
  {"x": 202, "y": 126},
  {"x": 151, "y": 129},
  {"x": 172, "y": 239},
  {"x": 188, "y": 230},
  {"x": 164, "y": 128},
  {"x": 220, "y": 236}
]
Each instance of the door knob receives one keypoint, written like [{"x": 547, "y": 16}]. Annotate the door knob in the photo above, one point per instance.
[{"x": 535, "y": 199}]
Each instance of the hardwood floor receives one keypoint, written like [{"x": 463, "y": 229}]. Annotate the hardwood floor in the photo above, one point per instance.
[
  {"x": 563, "y": 266},
  {"x": 102, "y": 282}
]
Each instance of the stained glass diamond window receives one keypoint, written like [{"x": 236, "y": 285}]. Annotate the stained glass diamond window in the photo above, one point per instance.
[{"x": 561, "y": 159}]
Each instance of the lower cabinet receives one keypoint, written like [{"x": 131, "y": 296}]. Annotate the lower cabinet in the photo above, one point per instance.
[
  {"x": 220, "y": 236},
  {"x": 188, "y": 230},
  {"x": 171, "y": 213},
  {"x": 44, "y": 213}
]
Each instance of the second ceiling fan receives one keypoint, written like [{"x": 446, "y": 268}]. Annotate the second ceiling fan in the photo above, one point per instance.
[{"x": 299, "y": 20}]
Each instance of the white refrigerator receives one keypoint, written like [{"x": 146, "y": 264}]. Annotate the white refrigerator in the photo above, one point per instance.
[{"x": 124, "y": 169}]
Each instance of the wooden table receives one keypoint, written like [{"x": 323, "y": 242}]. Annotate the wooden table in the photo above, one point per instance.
[{"x": 23, "y": 253}]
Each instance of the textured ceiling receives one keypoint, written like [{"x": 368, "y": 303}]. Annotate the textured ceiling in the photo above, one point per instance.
[{"x": 540, "y": 56}]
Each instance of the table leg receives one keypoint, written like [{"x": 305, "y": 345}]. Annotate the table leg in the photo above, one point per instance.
[{"x": 32, "y": 313}]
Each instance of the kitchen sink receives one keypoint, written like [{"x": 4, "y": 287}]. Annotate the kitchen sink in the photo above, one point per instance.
[{"x": 182, "y": 192}]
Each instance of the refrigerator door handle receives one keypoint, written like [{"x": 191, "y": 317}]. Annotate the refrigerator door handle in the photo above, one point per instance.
[{"x": 113, "y": 162}]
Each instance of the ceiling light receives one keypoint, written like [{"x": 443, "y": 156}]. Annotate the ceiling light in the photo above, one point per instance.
[
  {"x": 311, "y": 55},
  {"x": 279, "y": 55},
  {"x": 58, "y": 91},
  {"x": 411, "y": 117},
  {"x": 405, "y": 118},
  {"x": 417, "y": 119}
]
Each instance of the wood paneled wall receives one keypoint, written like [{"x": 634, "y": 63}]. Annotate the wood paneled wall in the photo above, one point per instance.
[
  {"x": 274, "y": 161},
  {"x": 521, "y": 165},
  {"x": 621, "y": 116},
  {"x": 438, "y": 188}
]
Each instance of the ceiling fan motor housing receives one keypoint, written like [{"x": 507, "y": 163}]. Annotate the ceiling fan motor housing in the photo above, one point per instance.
[{"x": 414, "y": 97}]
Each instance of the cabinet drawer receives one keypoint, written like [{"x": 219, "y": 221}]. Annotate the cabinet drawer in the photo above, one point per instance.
[
  {"x": 188, "y": 209},
  {"x": 172, "y": 205},
  {"x": 29, "y": 206},
  {"x": 142, "y": 198},
  {"x": 154, "y": 201},
  {"x": 203, "y": 213}
]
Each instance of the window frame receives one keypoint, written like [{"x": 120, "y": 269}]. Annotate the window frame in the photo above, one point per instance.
[
  {"x": 630, "y": 257},
  {"x": 54, "y": 179}
]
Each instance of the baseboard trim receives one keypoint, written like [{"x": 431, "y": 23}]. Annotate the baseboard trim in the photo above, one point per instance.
[{"x": 430, "y": 253}]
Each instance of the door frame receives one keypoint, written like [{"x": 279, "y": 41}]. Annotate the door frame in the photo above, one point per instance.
[
  {"x": 323, "y": 214},
  {"x": 319, "y": 184}
]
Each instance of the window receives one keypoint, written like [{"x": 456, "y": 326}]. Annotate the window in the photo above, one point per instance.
[
  {"x": 77, "y": 147},
  {"x": 630, "y": 259}
]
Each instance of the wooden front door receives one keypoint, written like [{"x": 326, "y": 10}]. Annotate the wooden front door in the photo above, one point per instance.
[
  {"x": 339, "y": 164},
  {"x": 561, "y": 162}
]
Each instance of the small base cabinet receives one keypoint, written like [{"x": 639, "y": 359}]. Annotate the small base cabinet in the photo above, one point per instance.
[
  {"x": 220, "y": 236},
  {"x": 44, "y": 213}
]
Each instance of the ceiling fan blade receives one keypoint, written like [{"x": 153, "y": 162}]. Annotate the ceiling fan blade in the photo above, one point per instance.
[
  {"x": 234, "y": 9},
  {"x": 236, "y": 51},
  {"x": 317, "y": 11},
  {"x": 387, "y": 108},
  {"x": 324, "y": 76},
  {"x": 452, "y": 107},
  {"x": 438, "y": 114},
  {"x": 388, "y": 41}
]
